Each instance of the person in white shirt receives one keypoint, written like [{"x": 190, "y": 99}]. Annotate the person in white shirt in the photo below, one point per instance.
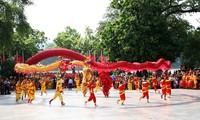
[{"x": 70, "y": 84}]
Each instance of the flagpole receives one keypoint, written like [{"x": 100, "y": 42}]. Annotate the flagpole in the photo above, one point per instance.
[
  {"x": 3, "y": 57},
  {"x": 17, "y": 57},
  {"x": 89, "y": 54},
  {"x": 94, "y": 56},
  {"x": 78, "y": 70},
  {"x": 22, "y": 56},
  {"x": 100, "y": 56},
  {"x": 9, "y": 55}
]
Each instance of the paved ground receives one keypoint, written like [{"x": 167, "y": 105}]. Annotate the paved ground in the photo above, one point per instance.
[{"x": 183, "y": 105}]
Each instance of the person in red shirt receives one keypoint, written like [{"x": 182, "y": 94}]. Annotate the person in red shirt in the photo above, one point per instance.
[
  {"x": 91, "y": 87},
  {"x": 163, "y": 87},
  {"x": 122, "y": 92},
  {"x": 145, "y": 90}
]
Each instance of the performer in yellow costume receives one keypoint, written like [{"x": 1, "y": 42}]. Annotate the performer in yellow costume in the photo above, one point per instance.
[
  {"x": 130, "y": 85},
  {"x": 31, "y": 91},
  {"x": 194, "y": 78},
  {"x": 49, "y": 83},
  {"x": 84, "y": 88},
  {"x": 23, "y": 89},
  {"x": 18, "y": 90},
  {"x": 189, "y": 77},
  {"x": 98, "y": 85},
  {"x": 27, "y": 83},
  {"x": 184, "y": 79},
  {"x": 59, "y": 90},
  {"x": 87, "y": 74},
  {"x": 43, "y": 86},
  {"x": 77, "y": 80}
]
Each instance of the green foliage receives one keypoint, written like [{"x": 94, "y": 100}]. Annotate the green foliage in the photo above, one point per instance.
[
  {"x": 29, "y": 44},
  {"x": 90, "y": 42},
  {"x": 71, "y": 39},
  {"x": 67, "y": 39},
  {"x": 49, "y": 45},
  {"x": 7, "y": 68},
  {"x": 146, "y": 30},
  {"x": 12, "y": 19},
  {"x": 191, "y": 52}
]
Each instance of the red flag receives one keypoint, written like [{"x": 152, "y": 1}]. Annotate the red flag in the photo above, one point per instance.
[
  {"x": 89, "y": 55},
  {"x": 19, "y": 58},
  {"x": 93, "y": 58},
  {"x": 9, "y": 56},
  {"x": 16, "y": 58},
  {"x": 101, "y": 58},
  {"x": 3, "y": 58},
  {"x": 22, "y": 57},
  {"x": 106, "y": 59}
]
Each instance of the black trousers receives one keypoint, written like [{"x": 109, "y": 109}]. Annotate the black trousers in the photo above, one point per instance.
[{"x": 7, "y": 90}]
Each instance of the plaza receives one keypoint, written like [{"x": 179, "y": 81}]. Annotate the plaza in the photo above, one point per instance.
[{"x": 184, "y": 105}]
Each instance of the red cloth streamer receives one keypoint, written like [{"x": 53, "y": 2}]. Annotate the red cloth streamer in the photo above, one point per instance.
[{"x": 127, "y": 66}]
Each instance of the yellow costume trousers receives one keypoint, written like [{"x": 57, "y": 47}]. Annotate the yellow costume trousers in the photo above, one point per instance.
[
  {"x": 58, "y": 94},
  {"x": 18, "y": 97}
]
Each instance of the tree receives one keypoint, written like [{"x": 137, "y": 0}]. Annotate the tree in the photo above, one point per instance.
[
  {"x": 146, "y": 30},
  {"x": 71, "y": 39},
  {"x": 29, "y": 45},
  {"x": 49, "y": 45},
  {"x": 25, "y": 46},
  {"x": 67, "y": 39},
  {"x": 89, "y": 43},
  {"x": 12, "y": 19},
  {"x": 110, "y": 15},
  {"x": 7, "y": 68},
  {"x": 47, "y": 61},
  {"x": 191, "y": 52}
]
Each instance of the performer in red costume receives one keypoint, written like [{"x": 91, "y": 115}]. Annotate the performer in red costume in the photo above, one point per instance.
[
  {"x": 145, "y": 91},
  {"x": 168, "y": 87},
  {"x": 122, "y": 92},
  {"x": 106, "y": 82},
  {"x": 105, "y": 91},
  {"x": 136, "y": 82},
  {"x": 155, "y": 83},
  {"x": 91, "y": 87},
  {"x": 163, "y": 87}
]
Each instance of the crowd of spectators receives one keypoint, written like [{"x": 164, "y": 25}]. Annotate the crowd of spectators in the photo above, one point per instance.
[
  {"x": 175, "y": 77},
  {"x": 8, "y": 84}
]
